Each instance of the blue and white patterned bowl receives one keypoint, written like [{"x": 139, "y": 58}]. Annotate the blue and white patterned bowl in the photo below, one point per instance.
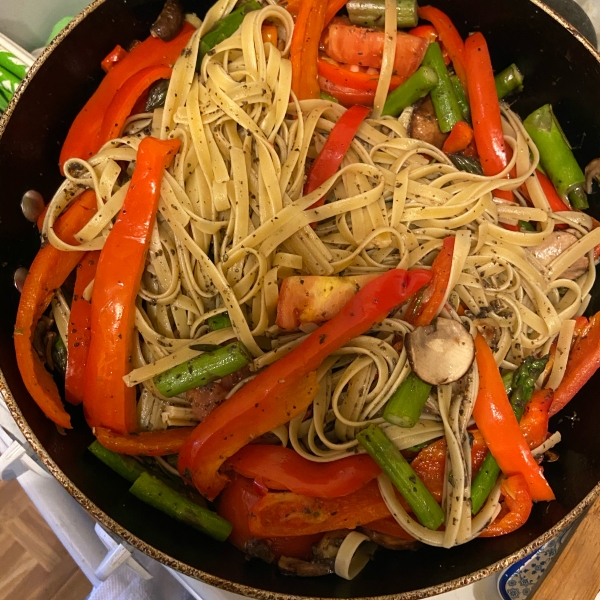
[{"x": 517, "y": 581}]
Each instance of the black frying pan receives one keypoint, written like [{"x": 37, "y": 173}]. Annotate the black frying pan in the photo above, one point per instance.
[{"x": 559, "y": 67}]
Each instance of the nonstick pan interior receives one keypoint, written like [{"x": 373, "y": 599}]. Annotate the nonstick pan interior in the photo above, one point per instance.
[{"x": 559, "y": 68}]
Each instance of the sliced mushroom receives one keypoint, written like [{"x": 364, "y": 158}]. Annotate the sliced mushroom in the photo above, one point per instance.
[
  {"x": 441, "y": 352},
  {"x": 389, "y": 541},
  {"x": 553, "y": 247},
  {"x": 592, "y": 171},
  {"x": 170, "y": 21},
  {"x": 424, "y": 125},
  {"x": 303, "y": 568}
]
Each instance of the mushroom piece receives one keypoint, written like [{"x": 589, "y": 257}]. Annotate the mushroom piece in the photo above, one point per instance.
[
  {"x": 553, "y": 247},
  {"x": 440, "y": 353},
  {"x": 303, "y": 568},
  {"x": 170, "y": 21},
  {"x": 592, "y": 171},
  {"x": 424, "y": 125}
]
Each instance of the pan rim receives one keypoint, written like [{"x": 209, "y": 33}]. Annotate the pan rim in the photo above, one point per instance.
[{"x": 105, "y": 520}]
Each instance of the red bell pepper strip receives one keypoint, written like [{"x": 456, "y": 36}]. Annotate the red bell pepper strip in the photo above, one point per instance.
[
  {"x": 333, "y": 6},
  {"x": 124, "y": 101},
  {"x": 116, "y": 55},
  {"x": 315, "y": 299},
  {"x": 584, "y": 361},
  {"x": 517, "y": 501},
  {"x": 235, "y": 504},
  {"x": 450, "y": 38},
  {"x": 429, "y": 33},
  {"x": 107, "y": 401},
  {"x": 554, "y": 200},
  {"x": 430, "y": 463},
  {"x": 534, "y": 422},
  {"x": 497, "y": 423},
  {"x": 423, "y": 310},
  {"x": 340, "y": 75},
  {"x": 286, "y": 469},
  {"x": 78, "y": 340},
  {"x": 83, "y": 135},
  {"x": 244, "y": 416},
  {"x": 147, "y": 443},
  {"x": 47, "y": 273},
  {"x": 459, "y": 139},
  {"x": 304, "y": 50},
  {"x": 285, "y": 513},
  {"x": 389, "y": 526},
  {"x": 485, "y": 109},
  {"x": 335, "y": 148},
  {"x": 269, "y": 34}
]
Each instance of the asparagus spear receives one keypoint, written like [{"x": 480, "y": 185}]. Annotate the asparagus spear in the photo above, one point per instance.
[
  {"x": 125, "y": 466},
  {"x": 371, "y": 13},
  {"x": 508, "y": 81},
  {"x": 154, "y": 492},
  {"x": 203, "y": 369},
  {"x": 520, "y": 385},
  {"x": 225, "y": 28},
  {"x": 461, "y": 96},
  {"x": 406, "y": 404},
  {"x": 414, "y": 88},
  {"x": 219, "y": 322},
  {"x": 447, "y": 108},
  {"x": 406, "y": 481},
  {"x": 556, "y": 156}
]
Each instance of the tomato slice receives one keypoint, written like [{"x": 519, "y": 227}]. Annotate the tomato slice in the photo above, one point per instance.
[{"x": 355, "y": 45}]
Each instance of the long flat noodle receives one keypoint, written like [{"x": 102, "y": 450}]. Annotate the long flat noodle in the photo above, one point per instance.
[
  {"x": 104, "y": 216},
  {"x": 422, "y": 432},
  {"x": 388, "y": 57},
  {"x": 238, "y": 320},
  {"x": 561, "y": 356}
]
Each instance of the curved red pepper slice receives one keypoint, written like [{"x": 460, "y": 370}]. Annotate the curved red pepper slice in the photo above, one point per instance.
[
  {"x": 78, "y": 341},
  {"x": 48, "y": 272},
  {"x": 423, "y": 310},
  {"x": 516, "y": 507},
  {"x": 285, "y": 513},
  {"x": 584, "y": 361},
  {"x": 115, "y": 56},
  {"x": 341, "y": 75},
  {"x": 534, "y": 422},
  {"x": 286, "y": 469},
  {"x": 83, "y": 134},
  {"x": 124, "y": 101},
  {"x": 108, "y": 402},
  {"x": 450, "y": 38},
  {"x": 235, "y": 505},
  {"x": 332, "y": 154},
  {"x": 496, "y": 420},
  {"x": 147, "y": 443},
  {"x": 244, "y": 416},
  {"x": 485, "y": 108}
]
